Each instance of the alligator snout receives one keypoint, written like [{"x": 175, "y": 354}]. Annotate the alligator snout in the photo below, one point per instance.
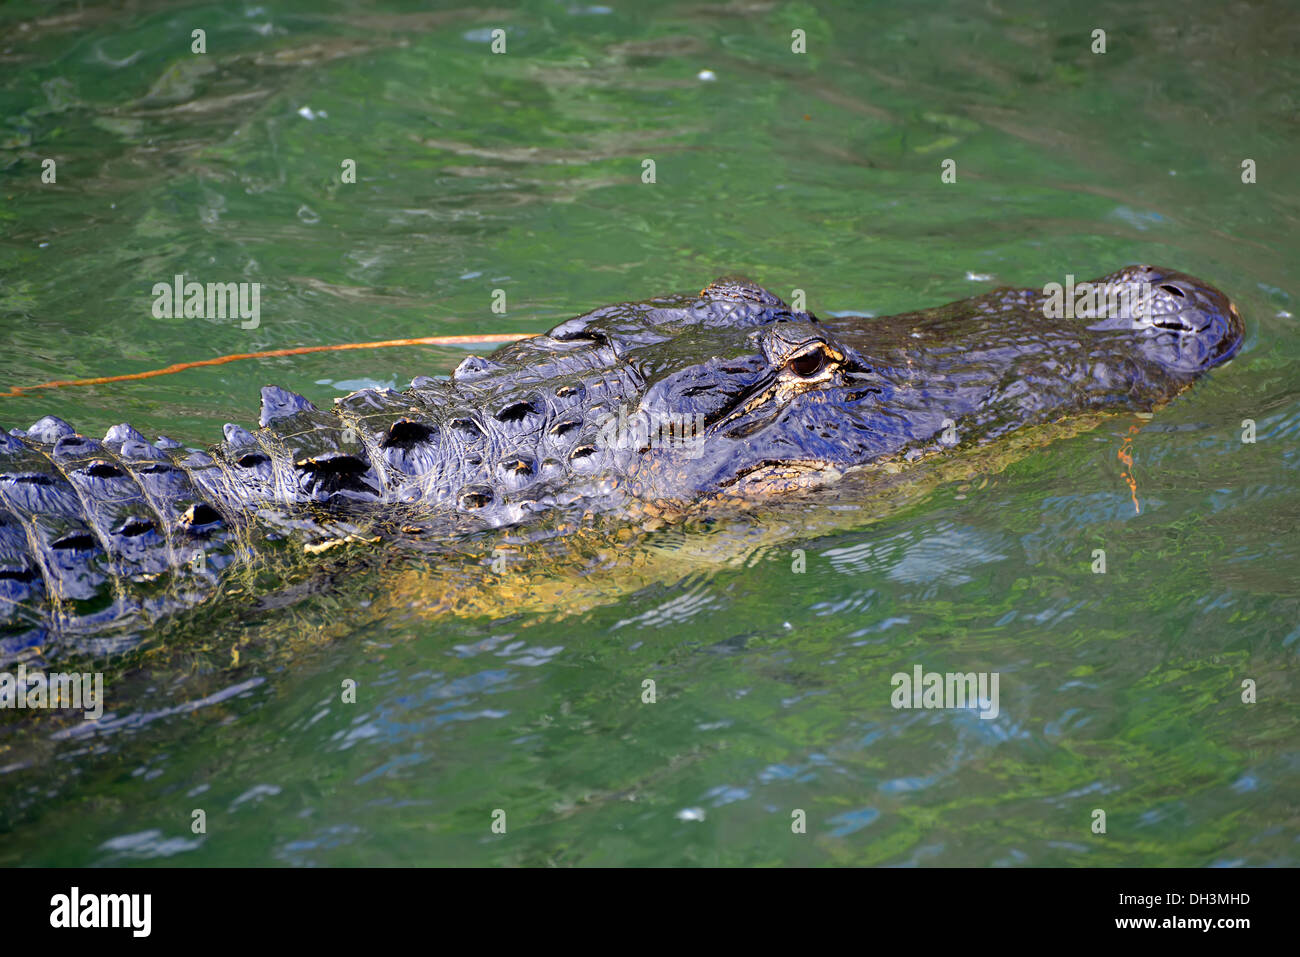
[
  {"x": 1191, "y": 326},
  {"x": 1183, "y": 325}
]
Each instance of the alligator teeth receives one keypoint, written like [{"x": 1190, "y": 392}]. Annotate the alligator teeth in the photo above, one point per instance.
[{"x": 280, "y": 403}]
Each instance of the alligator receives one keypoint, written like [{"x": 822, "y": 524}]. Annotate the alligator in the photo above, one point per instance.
[{"x": 631, "y": 410}]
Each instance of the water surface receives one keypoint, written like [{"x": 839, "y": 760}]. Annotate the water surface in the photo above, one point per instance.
[{"x": 522, "y": 172}]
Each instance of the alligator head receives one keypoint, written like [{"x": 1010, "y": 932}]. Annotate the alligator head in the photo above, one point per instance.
[{"x": 736, "y": 393}]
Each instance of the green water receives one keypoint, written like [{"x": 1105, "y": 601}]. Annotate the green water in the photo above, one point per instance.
[{"x": 522, "y": 172}]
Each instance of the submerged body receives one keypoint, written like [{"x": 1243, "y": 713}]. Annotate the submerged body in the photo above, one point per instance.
[{"x": 633, "y": 408}]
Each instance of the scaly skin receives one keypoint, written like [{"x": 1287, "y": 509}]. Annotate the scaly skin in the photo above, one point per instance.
[{"x": 97, "y": 536}]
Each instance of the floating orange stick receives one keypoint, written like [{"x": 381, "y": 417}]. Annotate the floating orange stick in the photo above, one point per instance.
[
  {"x": 1126, "y": 456},
  {"x": 18, "y": 391}
]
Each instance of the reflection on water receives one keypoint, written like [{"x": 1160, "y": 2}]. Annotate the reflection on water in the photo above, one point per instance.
[{"x": 770, "y": 639}]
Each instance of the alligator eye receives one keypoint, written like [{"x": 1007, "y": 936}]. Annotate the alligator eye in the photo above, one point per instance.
[{"x": 808, "y": 364}]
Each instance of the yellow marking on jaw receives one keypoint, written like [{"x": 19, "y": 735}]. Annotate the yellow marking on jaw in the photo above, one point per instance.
[{"x": 315, "y": 548}]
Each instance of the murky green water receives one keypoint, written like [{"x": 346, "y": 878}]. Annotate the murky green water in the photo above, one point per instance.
[{"x": 522, "y": 172}]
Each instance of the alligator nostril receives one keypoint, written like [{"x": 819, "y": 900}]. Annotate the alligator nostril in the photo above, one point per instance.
[{"x": 1173, "y": 291}]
